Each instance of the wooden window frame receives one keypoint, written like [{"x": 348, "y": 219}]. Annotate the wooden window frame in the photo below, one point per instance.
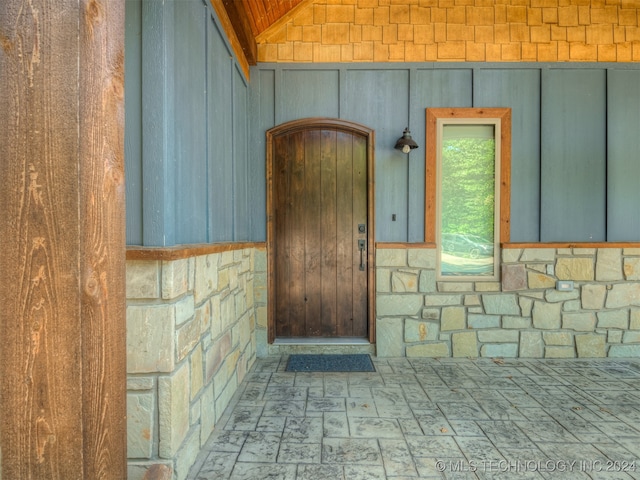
[{"x": 503, "y": 116}]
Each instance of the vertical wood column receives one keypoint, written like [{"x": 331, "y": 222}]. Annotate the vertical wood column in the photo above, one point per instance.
[{"x": 62, "y": 244}]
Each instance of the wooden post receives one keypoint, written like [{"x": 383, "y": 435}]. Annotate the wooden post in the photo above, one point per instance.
[{"x": 62, "y": 300}]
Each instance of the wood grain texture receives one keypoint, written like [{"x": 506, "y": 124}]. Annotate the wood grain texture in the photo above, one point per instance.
[
  {"x": 320, "y": 188},
  {"x": 62, "y": 190},
  {"x": 102, "y": 249}
]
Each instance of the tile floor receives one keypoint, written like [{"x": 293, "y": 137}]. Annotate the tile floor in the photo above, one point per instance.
[{"x": 431, "y": 418}]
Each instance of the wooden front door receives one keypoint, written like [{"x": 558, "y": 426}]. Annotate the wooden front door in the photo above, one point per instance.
[{"x": 319, "y": 229}]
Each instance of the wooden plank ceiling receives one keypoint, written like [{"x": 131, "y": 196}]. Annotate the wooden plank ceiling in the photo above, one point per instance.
[{"x": 252, "y": 17}]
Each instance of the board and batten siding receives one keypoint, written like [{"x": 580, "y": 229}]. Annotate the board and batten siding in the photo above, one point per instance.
[
  {"x": 575, "y": 142},
  {"x": 187, "y": 162}
]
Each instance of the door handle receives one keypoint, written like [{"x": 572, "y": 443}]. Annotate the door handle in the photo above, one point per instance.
[{"x": 361, "y": 247}]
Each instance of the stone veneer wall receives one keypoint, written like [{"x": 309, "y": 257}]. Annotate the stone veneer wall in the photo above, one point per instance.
[
  {"x": 190, "y": 341},
  {"x": 521, "y": 316}
]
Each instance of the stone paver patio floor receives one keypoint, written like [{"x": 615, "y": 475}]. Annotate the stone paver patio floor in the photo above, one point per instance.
[{"x": 431, "y": 418}]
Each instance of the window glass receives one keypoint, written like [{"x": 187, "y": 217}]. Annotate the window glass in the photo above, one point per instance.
[{"x": 467, "y": 213}]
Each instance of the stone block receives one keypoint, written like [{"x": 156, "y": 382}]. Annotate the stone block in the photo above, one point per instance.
[
  {"x": 140, "y": 383},
  {"x": 431, "y": 314},
  {"x": 538, "y": 280},
  {"x": 559, "y": 352},
  {"x": 578, "y": 269},
  {"x": 623, "y": 295},
  {"x": 581, "y": 322},
  {"x": 419, "y": 331},
  {"x": 448, "y": 287},
  {"x": 634, "y": 321},
  {"x": 206, "y": 276},
  {"x": 506, "y": 304},
  {"x": 472, "y": 300},
  {"x": 631, "y": 268},
  {"x": 422, "y": 257},
  {"x": 262, "y": 346},
  {"x": 584, "y": 251},
  {"x": 383, "y": 280},
  {"x": 442, "y": 300},
  {"x": 173, "y": 403},
  {"x": 498, "y": 336},
  {"x": 228, "y": 311},
  {"x": 187, "y": 455},
  {"x": 488, "y": 286},
  {"x": 511, "y": 255},
  {"x": 389, "y": 337},
  {"x": 196, "y": 371},
  {"x": 233, "y": 277},
  {"x": 150, "y": 333},
  {"x": 403, "y": 282},
  {"x": 391, "y": 257},
  {"x": 547, "y": 316},
  {"x": 428, "y": 350},
  {"x": 223, "y": 278},
  {"x": 553, "y": 296},
  {"x": 240, "y": 300},
  {"x": 609, "y": 265},
  {"x": 631, "y": 337},
  {"x": 593, "y": 296},
  {"x": 453, "y": 318},
  {"x": 545, "y": 255},
  {"x": 227, "y": 390},
  {"x": 261, "y": 316},
  {"x": 624, "y": 351},
  {"x": 186, "y": 338},
  {"x": 175, "y": 278},
  {"x": 260, "y": 260},
  {"x": 526, "y": 306},
  {"x": 399, "y": 305},
  {"x": 203, "y": 317},
  {"x": 613, "y": 319},
  {"x": 142, "y": 279},
  {"x": 185, "y": 309},
  {"x": 531, "y": 345},
  {"x": 514, "y": 277},
  {"x": 464, "y": 344},
  {"x": 516, "y": 322},
  {"x": 207, "y": 414},
  {"x": 614, "y": 336},
  {"x": 151, "y": 469},
  {"x": 427, "y": 281},
  {"x": 505, "y": 350},
  {"x": 227, "y": 258},
  {"x": 572, "y": 306},
  {"x": 483, "y": 321},
  {"x": 557, "y": 338},
  {"x": 140, "y": 422}
]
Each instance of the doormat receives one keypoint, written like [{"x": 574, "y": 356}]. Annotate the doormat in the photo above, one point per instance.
[{"x": 330, "y": 363}]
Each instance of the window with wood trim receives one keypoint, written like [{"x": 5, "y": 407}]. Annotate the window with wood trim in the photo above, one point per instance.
[{"x": 468, "y": 178}]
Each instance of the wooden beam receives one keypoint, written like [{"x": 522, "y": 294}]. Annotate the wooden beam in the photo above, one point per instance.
[
  {"x": 62, "y": 320},
  {"x": 228, "y": 28},
  {"x": 239, "y": 18}
]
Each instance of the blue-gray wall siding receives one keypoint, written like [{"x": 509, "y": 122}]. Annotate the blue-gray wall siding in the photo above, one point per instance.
[
  {"x": 575, "y": 137},
  {"x": 187, "y": 131},
  {"x": 195, "y": 153}
]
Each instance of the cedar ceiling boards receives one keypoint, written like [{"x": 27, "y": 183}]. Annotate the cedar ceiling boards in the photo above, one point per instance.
[{"x": 251, "y": 18}]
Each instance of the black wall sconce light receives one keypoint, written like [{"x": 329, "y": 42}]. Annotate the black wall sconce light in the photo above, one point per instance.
[{"x": 405, "y": 142}]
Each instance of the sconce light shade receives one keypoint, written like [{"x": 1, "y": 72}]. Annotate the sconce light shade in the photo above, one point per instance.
[{"x": 405, "y": 142}]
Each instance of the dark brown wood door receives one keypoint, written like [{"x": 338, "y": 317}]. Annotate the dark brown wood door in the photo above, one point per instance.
[{"x": 319, "y": 196}]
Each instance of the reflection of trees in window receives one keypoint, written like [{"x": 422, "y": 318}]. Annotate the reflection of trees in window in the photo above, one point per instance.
[{"x": 468, "y": 186}]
